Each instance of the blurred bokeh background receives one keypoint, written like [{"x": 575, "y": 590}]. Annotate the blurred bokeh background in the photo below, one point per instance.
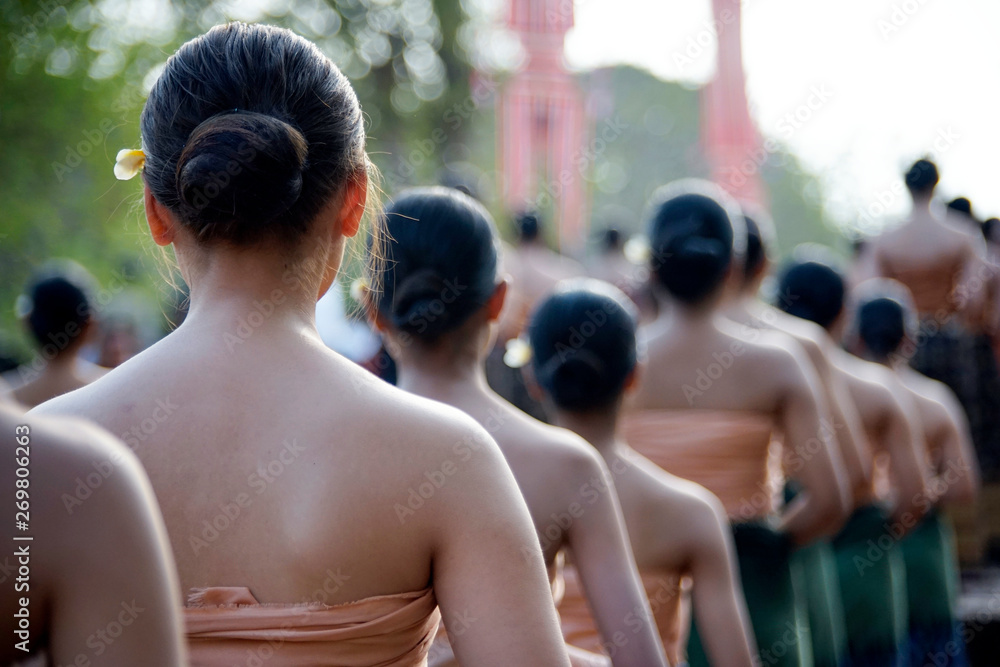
[{"x": 841, "y": 98}]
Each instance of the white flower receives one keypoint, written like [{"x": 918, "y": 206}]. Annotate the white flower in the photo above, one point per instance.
[
  {"x": 518, "y": 353},
  {"x": 637, "y": 250},
  {"x": 128, "y": 163}
]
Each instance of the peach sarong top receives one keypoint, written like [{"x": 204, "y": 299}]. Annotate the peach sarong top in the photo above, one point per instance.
[
  {"x": 227, "y": 626},
  {"x": 668, "y": 601},
  {"x": 930, "y": 291},
  {"x": 729, "y": 452}
]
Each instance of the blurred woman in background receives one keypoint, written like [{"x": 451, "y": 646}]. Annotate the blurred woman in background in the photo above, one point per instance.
[
  {"x": 873, "y": 595},
  {"x": 711, "y": 402},
  {"x": 59, "y": 310},
  {"x": 884, "y": 330},
  {"x": 442, "y": 295},
  {"x": 945, "y": 267},
  {"x": 584, "y": 358}
]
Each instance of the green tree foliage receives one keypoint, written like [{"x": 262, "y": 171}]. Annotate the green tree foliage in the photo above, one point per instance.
[{"x": 73, "y": 78}]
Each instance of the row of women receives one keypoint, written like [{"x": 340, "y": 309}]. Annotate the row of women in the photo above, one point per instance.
[{"x": 309, "y": 513}]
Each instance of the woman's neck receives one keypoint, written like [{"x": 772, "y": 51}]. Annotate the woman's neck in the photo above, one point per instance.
[
  {"x": 598, "y": 427},
  {"x": 681, "y": 319},
  {"x": 443, "y": 371},
  {"x": 254, "y": 291}
]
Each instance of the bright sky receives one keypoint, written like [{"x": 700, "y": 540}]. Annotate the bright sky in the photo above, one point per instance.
[{"x": 903, "y": 78}]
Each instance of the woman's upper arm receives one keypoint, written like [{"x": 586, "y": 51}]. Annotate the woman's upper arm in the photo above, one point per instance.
[
  {"x": 718, "y": 595},
  {"x": 603, "y": 556},
  {"x": 117, "y": 598},
  {"x": 812, "y": 458},
  {"x": 959, "y": 468},
  {"x": 489, "y": 575},
  {"x": 907, "y": 460}
]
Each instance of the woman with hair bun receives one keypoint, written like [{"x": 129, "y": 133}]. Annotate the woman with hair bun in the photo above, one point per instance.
[
  {"x": 883, "y": 331},
  {"x": 442, "y": 295},
  {"x": 945, "y": 266},
  {"x": 872, "y": 594},
  {"x": 294, "y": 484},
  {"x": 60, "y": 313},
  {"x": 826, "y": 617},
  {"x": 711, "y": 402},
  {"x": 679, "y": 531}
]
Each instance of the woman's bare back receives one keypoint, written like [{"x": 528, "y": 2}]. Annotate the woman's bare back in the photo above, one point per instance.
[{"x": 259, "y": 485}]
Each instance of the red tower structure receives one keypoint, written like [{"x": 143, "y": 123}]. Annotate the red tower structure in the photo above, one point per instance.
[
  {"x": 541, "y": 123},
  {"x": 729, "y": 138}
]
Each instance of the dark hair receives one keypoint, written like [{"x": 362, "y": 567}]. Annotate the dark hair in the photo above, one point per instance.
[
  {"x": 922, "y": 177},
  {"x": 756, "y": 252},
  {"x": 248, "y": 132},
  {"x": 583, "y": 343},
  {"x": 881, "y": 326},
  {"x": 813, "y": 290},
  {"x": 990, "y": 227},
  {"x": 527, "y": 226},
  {"x": 883, "y": 317},
  {"x": 961, "y": 205},
  {"x": 441, "y": 261},
  {"x": 59, "y": 303},
  {"x": 611, "y": 239},
  {"x": 692, "y": 238}
]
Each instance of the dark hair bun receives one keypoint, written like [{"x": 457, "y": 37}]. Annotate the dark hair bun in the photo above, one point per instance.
[
  {"x": 922, "y": 177},
  {"x": 572, "y": 381},
  {"x": 418, "y": 306},
  {"x": 812, "y": 289},
  {"x": 693, "y": 239},
  {"x": 583, "y": 343},
  {"x": 527, "y": 226},
  {"x": 882, "y": 326},
  {"x": 249, "y": 131},
  {"x": 440, "y": 261},
  {"x": 61, "y": 302},
  {"x": 238, "y": 172}
]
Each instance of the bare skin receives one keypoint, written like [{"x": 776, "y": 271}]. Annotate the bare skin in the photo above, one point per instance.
[
  {"x": 676, "y": 526},
  {"x": 102, "y": 583},
  {"x": 62, "y": 374},
  {"x": 764, "y": 377},
  {"x": 835, "y": 399},
  {"x": 894, "y": 430},
  {"x": 946, "y": 431},
  {"x": 933, "y": 243},
  {"x": 568, "y": 489},
  {"x": 253, "y": 413}
]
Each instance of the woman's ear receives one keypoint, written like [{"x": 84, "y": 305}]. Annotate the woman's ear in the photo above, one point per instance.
[
  {"x": 632, "y": 379},
  {"x": 162, "y": 225},
  {"x": 496, "y": 301},
  {"x": 352, "y": 208}
]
